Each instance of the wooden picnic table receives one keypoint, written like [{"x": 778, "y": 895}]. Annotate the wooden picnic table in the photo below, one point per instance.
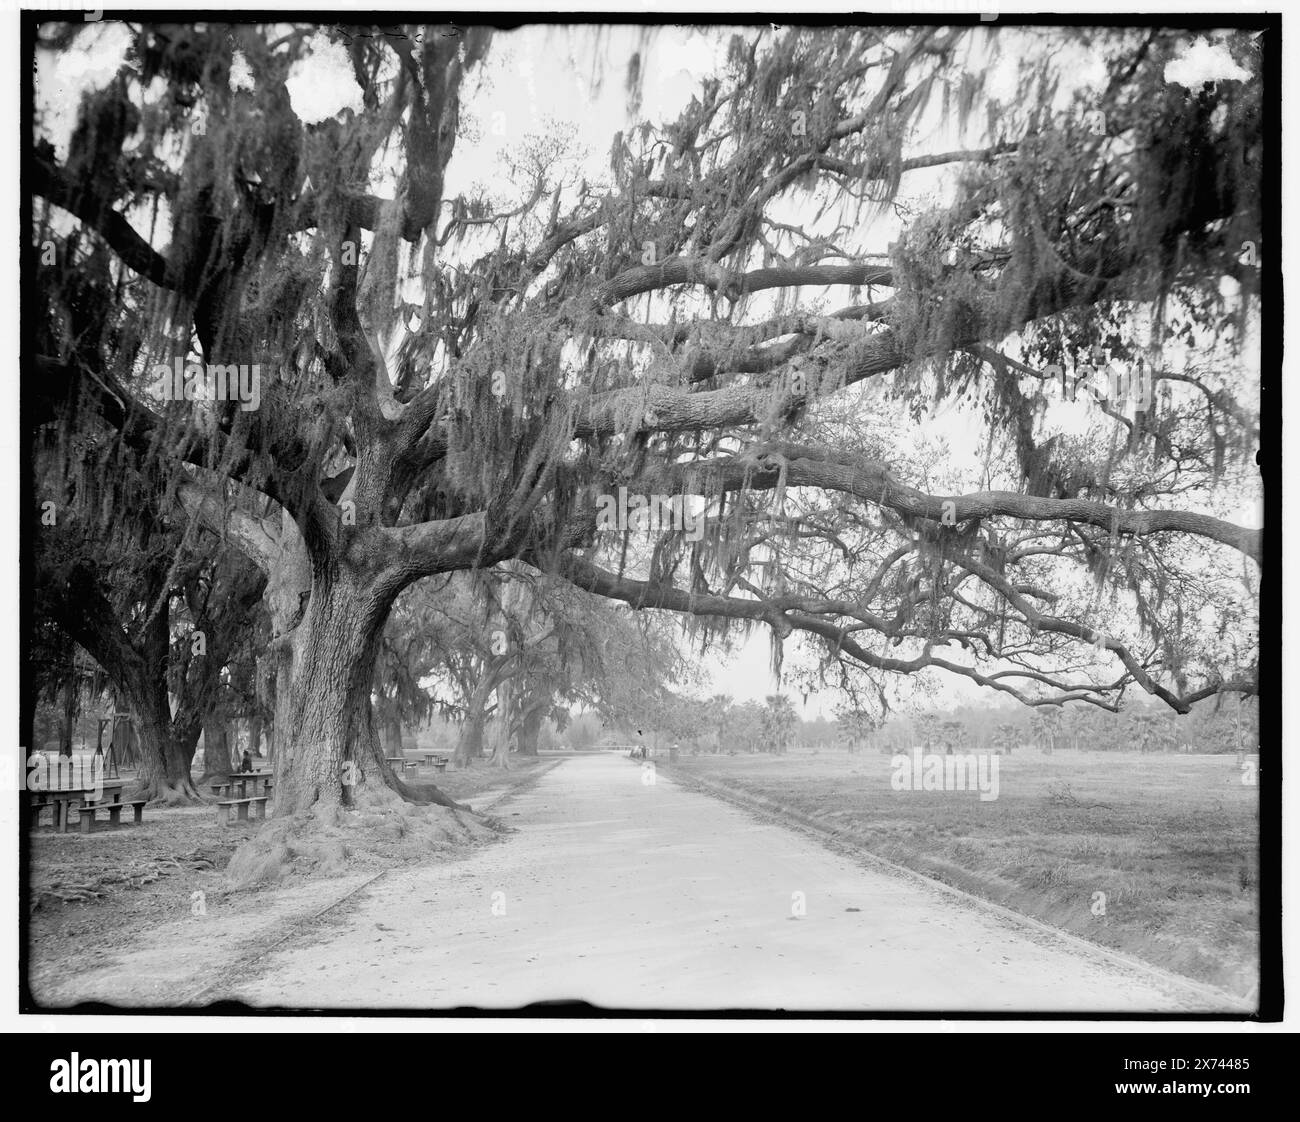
[
  {"x": 437, "y": 759},
  {"x": 242, "y": 779},
  {"x": 60, "y": 800},
  {"x": 400, "y": 763},
  {"x": 112, "y": 789}
]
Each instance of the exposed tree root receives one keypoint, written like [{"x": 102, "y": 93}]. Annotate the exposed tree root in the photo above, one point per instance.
[
  {"x": 421, "y": 794},
  {"x": 381, "y": 824},
  {"x": 100, "y": 884},
  {"x": 180, "y": 792}
]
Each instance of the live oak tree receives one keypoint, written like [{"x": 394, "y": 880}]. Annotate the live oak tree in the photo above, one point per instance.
[
  {"x": 857, "y": 726},
  {"x": 511, "y": 647},
  {"x": 709, "y": 323},
  {"x": 953, "y": 733},
  {"x": 160, "y": 605},
  {"x": 452, "y": 645},
  {"x": 56, "y": 681},
  {"x": 579, "y": 650},
  {"x": 164, "y": 616}
]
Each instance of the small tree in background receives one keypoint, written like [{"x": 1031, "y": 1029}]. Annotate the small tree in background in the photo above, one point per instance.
[{"x": 779, "y": 722}]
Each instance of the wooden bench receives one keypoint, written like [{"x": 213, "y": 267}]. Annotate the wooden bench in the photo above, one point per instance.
[
  {"x": 86, "y": 814},
  {"x": 241, "y": 809}
]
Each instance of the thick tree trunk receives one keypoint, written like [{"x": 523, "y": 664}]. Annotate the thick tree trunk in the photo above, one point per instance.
[
  {"x": 529, "y": 731},
  {"x": 216, "y": 750},
  {"x": 255, "y": 726},
  {"x": 287, "y": 593},
  {"x": 69, "y": 714},
  {"x": 323, "y": 728},
  {"x": 165, "y": 758},
  {"x": 329, "y": 746},
  {"x": 166, "y": 747},
  {"x": 280, "y": 723},
  {"x": 501, "y": 744},
  {"x": 503, "y": 732},
  {"x": 166, "y": 751},
  {"x": 325, "y": 625},
  {"x": 393, "y": 735},
  {"x": 470, "y": 745}
]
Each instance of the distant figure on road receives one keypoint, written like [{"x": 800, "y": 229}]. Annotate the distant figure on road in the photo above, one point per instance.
[{"x": 247, "y": 763}]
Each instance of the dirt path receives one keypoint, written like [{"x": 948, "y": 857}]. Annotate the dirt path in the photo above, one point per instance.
[{"x": 634, "y": 895}]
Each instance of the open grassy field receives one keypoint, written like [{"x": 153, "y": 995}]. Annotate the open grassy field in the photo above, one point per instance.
[{"x": 1170, "y": 840}]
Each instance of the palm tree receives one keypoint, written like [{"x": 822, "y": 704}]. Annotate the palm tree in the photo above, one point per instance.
[
  {"x": 1048, "y": 721},
  {"x": 779, "y": 722},
  {"x": 718, "y": 708}
]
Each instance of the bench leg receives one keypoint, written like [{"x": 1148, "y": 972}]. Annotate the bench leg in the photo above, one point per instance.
[
  {"x": 223, "y": 816},
  {"x": 260, "y": 812},
  {"x": 243, "y": 812},
  {"x": 115, "y": 815},
  {"x": 139, "y": 813},
  {"x": 87, "y": 822}
]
